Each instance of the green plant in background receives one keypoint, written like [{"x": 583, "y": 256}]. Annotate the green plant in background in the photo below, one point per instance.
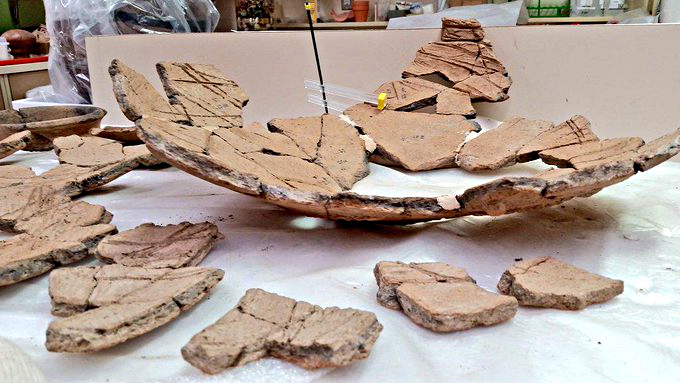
[{"x": 24, "y": 14}]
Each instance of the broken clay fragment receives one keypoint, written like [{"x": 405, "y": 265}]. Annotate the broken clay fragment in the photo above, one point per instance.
[
  {"x": 64, "y": 233},
  {"x": 469, "y": 66},
  {"x": 547, "y": 282},
  {"x": 581, "y": 156},
  {"x": 575, "y": 130},
  {"x": 414, "y": 141},
  {"x": 521, "y": 140},
  {"x": 410, "y": 93},
  {"x": 299, "y": 184},
  {"x": 488, "y": 87},
  {"x": 322, "y": 155},
  {"x": 55, "y": 230},
  {"x": 268, "y": 324},
  {"x": 415, "y": 93},
  {"x": 461, "y": 29},
  {"x": 391, "y": 275},
  {"x": 108, "y": 305},
  {"x": 49, "y": 122},
  {"x": 205, "y": 95},
  {"x": 15, "y": 142},
  {"x": 456, "y": 306},
  {"x": 96, "y": 152},
  {"x": 452, "y": 101},
  {"x": 439, "y": 297},
  {"x": 124, "y": 134},
  {"x": 498, "y": 147},
  {"x": 658, "y": 151},
  {"x": 152, "y": 246}
]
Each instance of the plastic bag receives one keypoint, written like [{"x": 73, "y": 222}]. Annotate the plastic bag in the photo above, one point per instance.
[{"x": 70, "y": 21}]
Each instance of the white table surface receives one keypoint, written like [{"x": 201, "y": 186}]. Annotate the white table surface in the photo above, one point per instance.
[{"x": 630, "y": 231}]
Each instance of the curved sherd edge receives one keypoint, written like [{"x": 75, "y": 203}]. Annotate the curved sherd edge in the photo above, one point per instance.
[
  {"x": 658, "y": 151},
  {"x": 223, "y": 156},
  {"x": 14, "y": 143}
]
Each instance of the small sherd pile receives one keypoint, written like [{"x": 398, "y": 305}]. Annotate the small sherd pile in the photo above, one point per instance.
[
  {"x": 464, "y": 61},
  {"x": 440, "y": 297},
  {"x": 53, "y": 229}
]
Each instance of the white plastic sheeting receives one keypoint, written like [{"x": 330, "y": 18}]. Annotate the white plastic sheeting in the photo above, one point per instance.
[{"x": 629, "y": 231}]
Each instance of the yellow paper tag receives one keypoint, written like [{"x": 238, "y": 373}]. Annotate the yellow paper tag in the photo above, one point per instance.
[{"x": 382, "y": 97}]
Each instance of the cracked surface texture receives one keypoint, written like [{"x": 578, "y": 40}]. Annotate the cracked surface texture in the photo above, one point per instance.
[
  {"x": 548, "y": 282},
  {"x": 309, "y": 164},
  {"x": 153, "y": 246},
  {"x": 446, "y": 307},
  {"x": 414, "y": 141},
  {"x": 593, "y": 153},
  {"x": 53, "y": 230},
  {"x": 415, "y": 93},
  {"x": 439, "y": 297},
  {"x": 461, "y": 29},
  {"x": 470, "y": 67},
  {"x": 108, "y": 305},
  {"x": 265, "y": 324},
  {"x": 498, "y": 147},
  {"x": 410, "y": 93},
  {"x": 391, "y": 275},
  {"x": 95, "y": 151}
]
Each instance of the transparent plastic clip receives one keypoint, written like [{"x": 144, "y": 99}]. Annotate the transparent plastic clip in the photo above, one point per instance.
[{"x": 352, "y": 96}]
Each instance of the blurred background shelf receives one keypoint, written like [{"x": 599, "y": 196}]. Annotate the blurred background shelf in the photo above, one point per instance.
[
  {"x": 332, "y": 25},
  {"x": 570, "y": 20},
  {"x": 16, "y": 79}
]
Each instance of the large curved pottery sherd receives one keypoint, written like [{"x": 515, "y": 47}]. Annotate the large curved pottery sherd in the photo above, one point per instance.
[{"x": 310, "y": 164}]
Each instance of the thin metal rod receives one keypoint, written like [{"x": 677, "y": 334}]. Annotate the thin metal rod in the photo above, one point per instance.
[{"x": 316, "y": 55}]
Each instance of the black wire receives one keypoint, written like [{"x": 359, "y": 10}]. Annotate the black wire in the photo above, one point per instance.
[{"x": 316, "y": 55}]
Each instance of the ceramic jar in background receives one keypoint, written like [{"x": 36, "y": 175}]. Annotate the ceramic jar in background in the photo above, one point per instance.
[
  {"x": 360, "y": 9},
  {"x": 21, "y": 42}
]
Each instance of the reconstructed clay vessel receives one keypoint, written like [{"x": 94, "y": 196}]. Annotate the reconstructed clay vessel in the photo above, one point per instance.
[{"x": 310, "y": 164}]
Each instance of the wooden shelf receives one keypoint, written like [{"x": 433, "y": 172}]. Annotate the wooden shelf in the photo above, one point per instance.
[
  {"x": 333, "y": 25},
  {"x": 383, "y": 24},
  {"x": 570, "y": 20}
]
